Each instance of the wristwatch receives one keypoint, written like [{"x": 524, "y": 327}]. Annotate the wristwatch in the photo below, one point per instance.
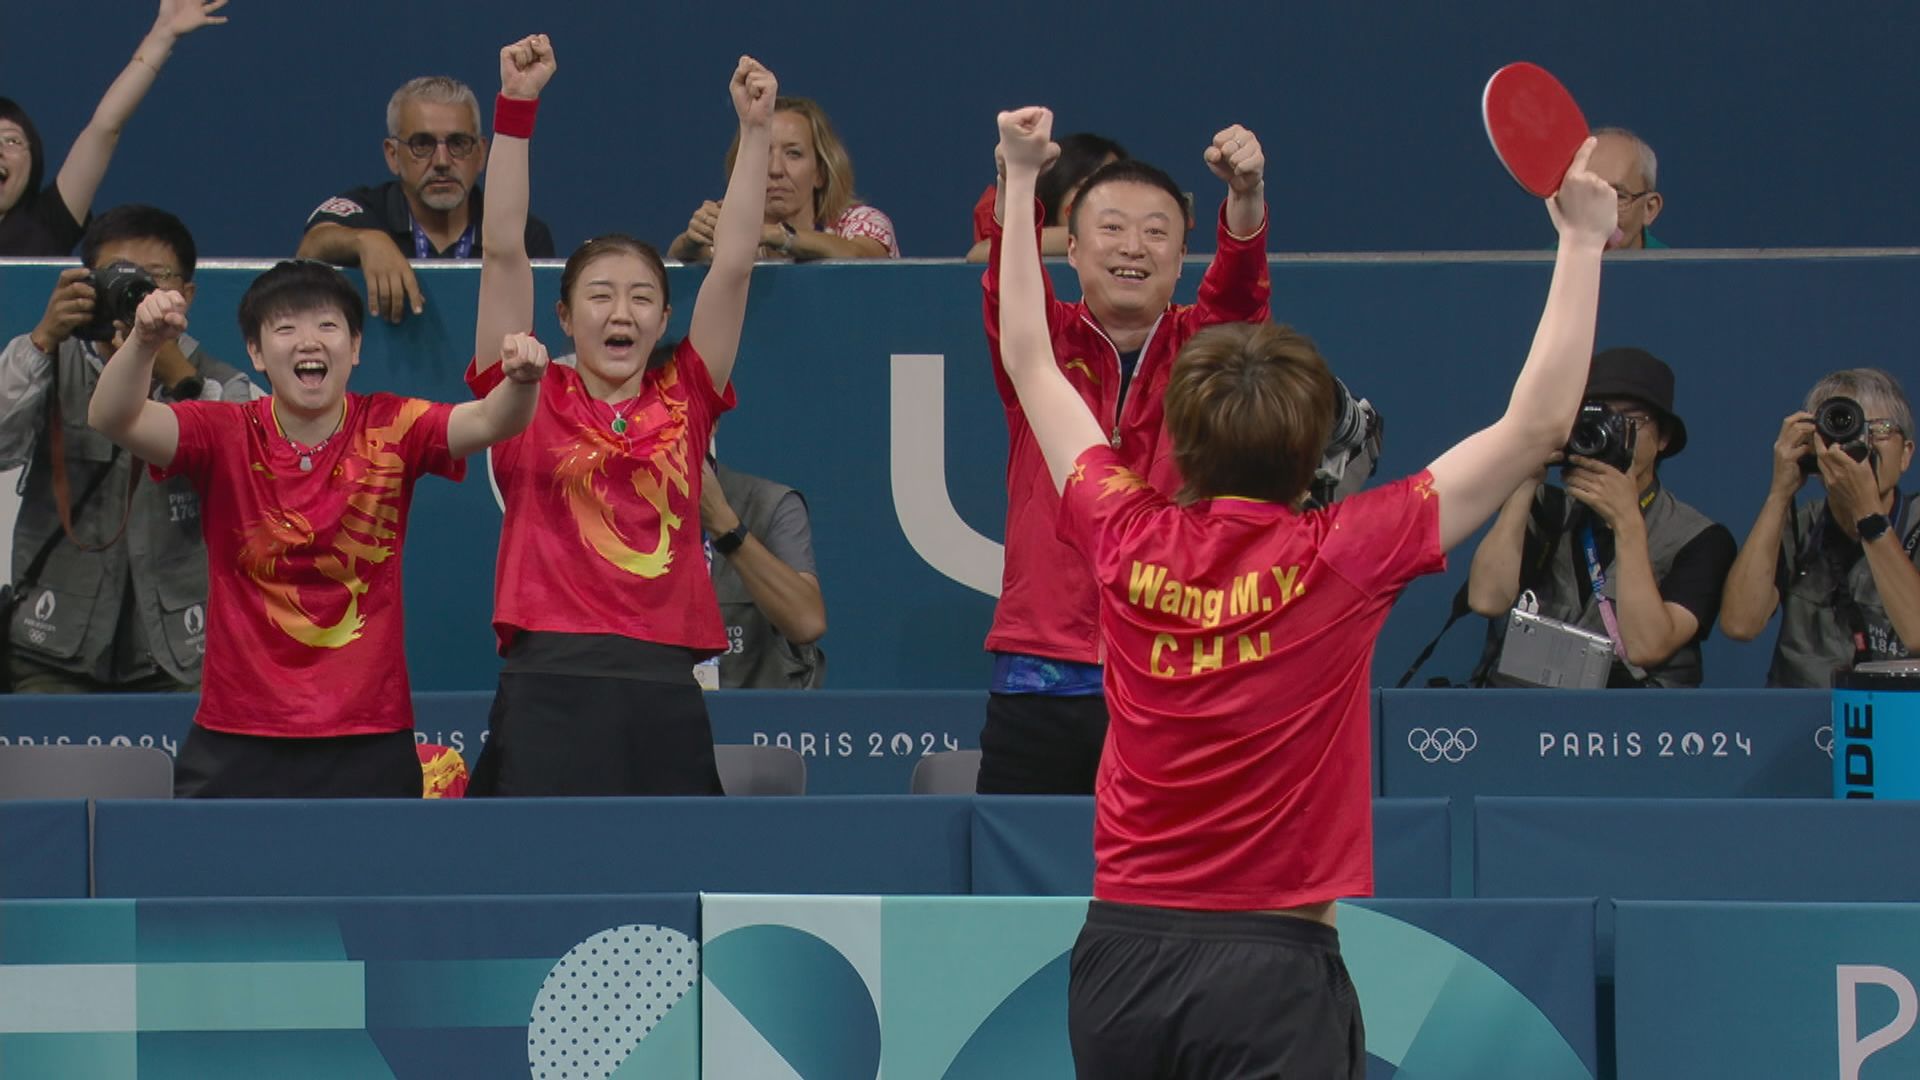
[
  {"x": 786, "y": 244},
  {"x": 729, "y": 542},
  {"x": 1872, "y": 527}
]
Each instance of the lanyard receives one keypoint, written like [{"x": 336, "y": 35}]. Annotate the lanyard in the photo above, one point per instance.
[
  {"x": 1599, "y": 579},
  {"x": 423, "y": 247}
]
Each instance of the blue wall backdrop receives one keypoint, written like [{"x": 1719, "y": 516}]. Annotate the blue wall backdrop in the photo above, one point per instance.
[
  {"x": 832, "y": 356},
  {"x": 1770, "y": 119}
]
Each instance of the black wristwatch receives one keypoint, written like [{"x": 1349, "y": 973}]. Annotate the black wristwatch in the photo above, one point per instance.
[
  {"x": 729, "y": 542},
  {"x": 1872, "y": 527}
]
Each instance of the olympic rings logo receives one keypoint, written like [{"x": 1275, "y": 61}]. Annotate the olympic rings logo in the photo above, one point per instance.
[
  {"x": 1448, "y": 744},
  {"x": 1823, "y": 739}
]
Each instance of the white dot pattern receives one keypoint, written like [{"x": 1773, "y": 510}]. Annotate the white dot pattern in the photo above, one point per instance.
[{"x": 604, "y": 996}]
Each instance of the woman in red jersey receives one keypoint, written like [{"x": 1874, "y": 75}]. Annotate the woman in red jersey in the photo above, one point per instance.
[
  {"x": 304, "y": 500},
  {"x": 603, "y": 603},
  {"x": 1232, "y": 802}
]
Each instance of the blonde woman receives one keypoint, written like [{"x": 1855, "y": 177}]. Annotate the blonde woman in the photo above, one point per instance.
[{"x": 812, "y": 211}]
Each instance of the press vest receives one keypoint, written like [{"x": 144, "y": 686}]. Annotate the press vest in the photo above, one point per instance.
[
  {"x": 1815, "y": 638},
  {"x": 757, "y": 656},
  {"x": 1565, "y": 594},
  {"x": 156, "y": 574}
]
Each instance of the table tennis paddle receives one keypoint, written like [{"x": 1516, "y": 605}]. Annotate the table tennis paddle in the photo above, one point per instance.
[{"x": 1534, "y": 125}]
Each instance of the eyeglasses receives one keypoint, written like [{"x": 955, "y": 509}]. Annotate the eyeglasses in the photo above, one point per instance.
[
  {"x": 1625, "y": 198},
  {"x": 163, "y": 274},
  {"x": 1636, "y": 420},
  {"x": 1881, "y": 429},
  {"x": 459, "y": 145},
  {"x": 12, "y": 142}
]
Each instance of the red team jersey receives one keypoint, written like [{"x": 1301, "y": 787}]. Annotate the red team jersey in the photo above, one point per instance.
[
  {"x": 1239, "y": 643},
  {"x": 602, "y": 528},
  {"x": 305, "y": 637}
]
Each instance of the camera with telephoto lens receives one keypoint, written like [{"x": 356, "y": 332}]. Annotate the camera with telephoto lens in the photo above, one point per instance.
[
  {"x": 1353, "y": 448},
  {"x": 1839, "y": 421},
  {"x": 1603, "y": 435},
  {"x": 118, "y": 288}
]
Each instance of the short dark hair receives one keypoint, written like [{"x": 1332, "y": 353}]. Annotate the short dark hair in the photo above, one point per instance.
[
  {"x": 1249, "y": 407},
  {"x": 612, "y": 244},
  {"x": 1128, "y": 171},
  {"x": 296, "y": 286},
  {"x": 1081, "y": 155},
  {"x": 37, "y": 171},
  {"x": 136, "y": 222}
]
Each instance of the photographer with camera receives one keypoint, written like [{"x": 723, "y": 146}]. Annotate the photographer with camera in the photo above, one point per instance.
[
  {"x": 1611, "y": 556},
  {"x": 1840, "y": 569},
  {"x": 109, "y": 578}
]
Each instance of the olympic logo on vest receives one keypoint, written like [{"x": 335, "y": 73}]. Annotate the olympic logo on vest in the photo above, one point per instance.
[{"x": 1450, "y": 744}]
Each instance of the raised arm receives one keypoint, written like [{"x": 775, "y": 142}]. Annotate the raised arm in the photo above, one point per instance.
[
  {"x": 1752, "y": 594},
  {"x": 1236, "y": 158},
  {"x": 508, "y": 408},
  {"x": 1479, "y": 473},
  {"x": 1493, "y": 581},
  {"x": 1852, "y": 495},
  {"x": 86, "y": 163},
  {"x": 721, "y": 307},
  {"x": 120, "y": 408},
  {"x": 506, "y": 275},
  {"x": 1060, "y": 419}
]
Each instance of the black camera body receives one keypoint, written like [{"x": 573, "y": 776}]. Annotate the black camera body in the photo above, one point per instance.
[
  {"x": 1839, "y": 421},
  {"x": 1603, "y": 435},
  {"x": 118, "y": 288},
  {"x": 1354, "y": 444}
]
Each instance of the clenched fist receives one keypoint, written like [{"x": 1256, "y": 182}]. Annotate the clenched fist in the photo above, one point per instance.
[
  {"x": 522, "y": 358},
  {"x": 525, "y": 67}
]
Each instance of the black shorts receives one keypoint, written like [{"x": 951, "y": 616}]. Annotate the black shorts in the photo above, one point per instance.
[
  {"x": 222, "y": 765},
  {"x": 1038, "y": 744},
  {"x": 1204, "y": 995},
  {"x": 596, "y": 735}
]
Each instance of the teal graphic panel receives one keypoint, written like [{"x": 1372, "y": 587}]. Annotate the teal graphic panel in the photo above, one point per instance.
[
  {"x": 586, "y": 988},
  {"x": 1764, "y": 989},
  {"x": 975, "y": 988}
]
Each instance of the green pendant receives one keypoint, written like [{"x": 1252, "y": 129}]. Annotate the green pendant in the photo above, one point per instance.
[{"x": 619, "y": 425}]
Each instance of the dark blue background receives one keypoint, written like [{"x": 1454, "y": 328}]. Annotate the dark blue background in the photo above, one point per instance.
[{"x": 1777, "y": 124}]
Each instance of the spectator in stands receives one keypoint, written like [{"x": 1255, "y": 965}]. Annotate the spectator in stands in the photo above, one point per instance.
[
  {"x": 763, "y": 576},
  {"x": 603, "y": 604},
  {"x": 431, "y": 209},
  {"x": 1046, "y": 716},
  {"x": 1627, "y": 162},
  {"x": 1840, "y": 570},
  {"x": 1081, "y": 154},
  {"x": 116, "y": 601},
  {"x": 1613, "y": 551},
  {"x": 1232, "y": 809},
  {"x": 50, "y": 220},
  {"x": 303, "y": 507},
  {"x": 812, "y": 211}
]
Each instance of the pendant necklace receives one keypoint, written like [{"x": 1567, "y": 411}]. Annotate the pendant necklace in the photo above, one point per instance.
[
  {"x": 306, "y": 453},
  {"x": 620, "y": 420}
]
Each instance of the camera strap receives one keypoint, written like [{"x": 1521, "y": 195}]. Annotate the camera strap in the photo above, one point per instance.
[{"x": 63, "y": 498}]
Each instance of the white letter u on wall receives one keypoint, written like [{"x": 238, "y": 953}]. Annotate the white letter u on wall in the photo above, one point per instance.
[{"x": 918, "y": 451}]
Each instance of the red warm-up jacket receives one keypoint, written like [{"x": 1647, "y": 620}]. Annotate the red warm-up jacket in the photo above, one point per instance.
[{"x": 1047, "y": 595}]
